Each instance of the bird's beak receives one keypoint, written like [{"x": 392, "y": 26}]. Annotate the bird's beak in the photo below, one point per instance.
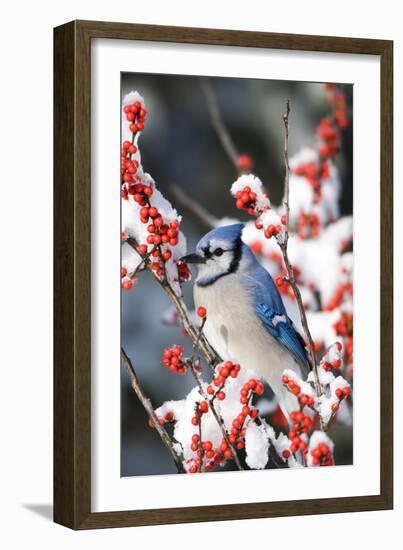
[{"x": 193, "y": 259}]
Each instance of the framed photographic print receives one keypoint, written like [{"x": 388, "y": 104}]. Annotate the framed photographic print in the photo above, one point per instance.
[{"x": 223, "y": 275}]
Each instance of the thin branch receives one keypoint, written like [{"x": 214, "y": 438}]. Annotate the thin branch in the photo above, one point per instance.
[
  {"x": 142, "y": 263},
  {"x": 150, "y": 411},
  {"x": 284, "y": 248},
  {"x": 192, "y": 206},
  {"x": 217, "y": 122}
]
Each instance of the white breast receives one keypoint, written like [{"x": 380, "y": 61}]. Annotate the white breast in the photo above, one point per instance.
[{"x": 236, "y": 334}]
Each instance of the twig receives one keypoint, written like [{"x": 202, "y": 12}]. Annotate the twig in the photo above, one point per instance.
[
  {"x": 150, "y": 411},
  {"x": 284, "y": 248},
  {"x": 143, "y": 262},
  {"x": 199, "y": 211},
  {"x": 217, "y": 122}
]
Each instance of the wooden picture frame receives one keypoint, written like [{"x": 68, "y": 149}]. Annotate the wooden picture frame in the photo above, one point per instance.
[{"x": 72, "y": 272}]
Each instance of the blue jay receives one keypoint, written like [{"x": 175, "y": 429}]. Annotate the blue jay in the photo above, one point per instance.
[{"x": 246, "y": 318}]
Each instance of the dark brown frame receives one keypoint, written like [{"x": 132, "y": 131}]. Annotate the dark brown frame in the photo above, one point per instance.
[{"x": 72, "y": 325}]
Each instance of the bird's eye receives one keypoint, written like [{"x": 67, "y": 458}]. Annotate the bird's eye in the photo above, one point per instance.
[{"x": 218, "y": 252}]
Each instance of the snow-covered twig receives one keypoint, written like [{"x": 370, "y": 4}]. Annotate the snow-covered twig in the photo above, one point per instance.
[
  {"x": 150, "y": 411},
  {"x": 283, "y": 243}
]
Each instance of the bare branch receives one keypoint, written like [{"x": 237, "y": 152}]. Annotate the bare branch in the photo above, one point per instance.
[
  {"x": 199, "y": 211},
  {"x": 217, "y": 122},
  {"x": 284, "y": 248},
  {"x": 150, "y": 411}
]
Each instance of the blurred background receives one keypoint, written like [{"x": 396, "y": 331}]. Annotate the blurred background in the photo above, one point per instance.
[{"x": 180, "y": 148}]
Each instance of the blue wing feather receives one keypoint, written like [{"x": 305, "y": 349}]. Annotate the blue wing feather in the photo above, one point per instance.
[
  {"x": 270, "y": 309},
  {"x": 284, "y": 332}
]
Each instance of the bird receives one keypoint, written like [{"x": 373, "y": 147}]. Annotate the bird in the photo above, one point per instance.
[{"x": 246, "y": 319}]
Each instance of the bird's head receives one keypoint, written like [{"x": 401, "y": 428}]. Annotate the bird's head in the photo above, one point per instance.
[{"x": 217, "y": 254}]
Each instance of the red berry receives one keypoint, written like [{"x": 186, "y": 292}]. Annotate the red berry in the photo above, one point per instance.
[
  {"x": 123, "y": 271},
  {"x": 228, "y": 453},
  {"x": 245, "y": 162},
  {"x": 127, "y": 284},
  {"x": 221, "y": 395},
  {"x": 203, "y": 406},
  {"x": 201, "y": 312}
]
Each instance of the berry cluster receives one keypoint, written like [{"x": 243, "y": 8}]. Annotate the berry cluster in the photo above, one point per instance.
[
  {"x": 162, "y": 235},
  {"x": 344, "y": 327},
  {"x": 295, "y": 389},
  {"x": 314, "y": 173},
  {"x": 129, "y": 165},
  {"x": 291, "y": 385},
  {"x": 272, "y": 230},
  {"x": 340, "y": 394},
  {"x": 141, "y": 193},
  {"x": 332, "y": 359},
  {"x": 246, "y": 200},
  {"x": 284, "y": 287},
  {"x": 328, "y": 366},
  {"x": 136, "y": 115},
  {"x": 328, "y": 129},
  {"x": 227, "y": 369},
  {"x": 322, "y": 455},
  {"x": 328, "y": 135},
  {"x": 238, "y": 429},
  {"x": 184, "y": 273},
  {"x": 127, "y": 281},
  {"x": 338, "y": 100},
  {"x": 205, "y": 449},
  {"x": 345, "y": 288},
  {"x": 308, "y": 225},
  {"x": 172, "y": 359},
  {"x": 301, "y": 426},
  {"x": 201, "y": 408}
]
